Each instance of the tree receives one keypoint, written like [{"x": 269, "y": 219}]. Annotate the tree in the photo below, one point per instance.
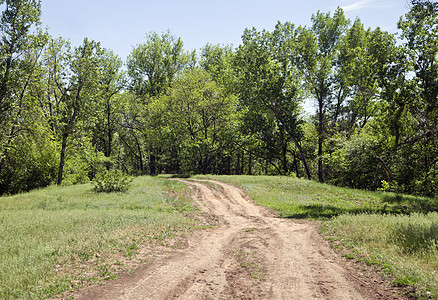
[
  {"x": 268, "y": 82},
  {"x": 217, "y": 61},
  {"x": 200, "y": 115},
  {"x": 73, "y": 78},
  {"x": 357, "y": 77},
  {"x": 19, "y": 53},
  {"x": 420, "y": 31},
  {"x": 420, "y": 35},
  {"x": 111, "y": 83},
  {"x": 16, "y": 22},
  {"x": 153, "y": 65},
  {"x": 317, "y": 57},
  {"x": 26, "y": 147}
]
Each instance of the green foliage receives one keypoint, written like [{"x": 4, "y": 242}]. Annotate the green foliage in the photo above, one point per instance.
[
  {"x": 269, "y": 94},
  {"x": 30, "y": 163},
  {"x": 353, "y": 162},
  {"x": 199, "y": 115},
  {"x": 112, "y": 181},
  {"x": 153, "y": 65},
  {"x": 83, "y": 161}
]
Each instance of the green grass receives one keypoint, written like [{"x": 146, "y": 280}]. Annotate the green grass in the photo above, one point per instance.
[
  {"x": 404, "y": 247},
  {"x": 304, "y": 199},
  {"x": 397, "y": 234},
  {"x": 52, "y": 238}
]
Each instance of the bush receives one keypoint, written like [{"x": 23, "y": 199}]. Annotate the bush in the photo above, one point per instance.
[
  {"x": 354, "y": 163},
  {"x": 112, "y": 181},
  {"x": 30, "y": 163}
]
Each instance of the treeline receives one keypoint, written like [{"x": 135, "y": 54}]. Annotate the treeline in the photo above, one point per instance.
[{"x": 68, "y": 113}]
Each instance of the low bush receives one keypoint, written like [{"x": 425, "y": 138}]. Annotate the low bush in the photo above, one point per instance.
[{"x": 112, "y": 181}]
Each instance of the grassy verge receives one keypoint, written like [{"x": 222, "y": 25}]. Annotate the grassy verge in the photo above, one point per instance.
[
  {"x": 59, "y": 238},
  {"x": 396, "y": 234},
  {"x": 402, "y": 247}
]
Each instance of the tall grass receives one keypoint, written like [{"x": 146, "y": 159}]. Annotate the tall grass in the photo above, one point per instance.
[
  {"x": 45, "y": 234},
  {"x": 404, "y": 246}
]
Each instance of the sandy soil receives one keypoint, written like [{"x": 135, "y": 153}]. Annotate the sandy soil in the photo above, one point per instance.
[{"x": 250, "y": 255}]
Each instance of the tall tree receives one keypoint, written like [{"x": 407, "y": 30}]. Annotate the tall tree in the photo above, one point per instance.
[
  {"x": 19, "y": 52},
  {"x": 217, "y": 61},
  {"x": 318, "y": 49},
  {"x": 111, "y": 83},
  {"x": 73, "y": 78},
  {"x": 26, "y": 148},
  {"x": 16, "y": 22},
  {"x": 200, "y": 114},
  {"x": 153, "y": 65},
  {"x": 267, "y": 80},
  {"x": 420, "y": 36}
]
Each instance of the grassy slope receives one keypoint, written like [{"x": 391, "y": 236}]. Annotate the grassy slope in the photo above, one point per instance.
[
  {"x": 52, "y": 239},
  {"x": 46, "y": 235},
  {"x": 397, "y": 234}
]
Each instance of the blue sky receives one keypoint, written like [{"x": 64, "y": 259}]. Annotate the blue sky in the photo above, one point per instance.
[{"x": 120, "y": 25}]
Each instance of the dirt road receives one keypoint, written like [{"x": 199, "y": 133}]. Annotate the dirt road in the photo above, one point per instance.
[{"x": 251, "y": 255}]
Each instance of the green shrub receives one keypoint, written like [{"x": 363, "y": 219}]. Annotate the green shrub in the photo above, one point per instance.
[
  {"x": 180, "y": 176},
  {"x": 112, "y": 181}
]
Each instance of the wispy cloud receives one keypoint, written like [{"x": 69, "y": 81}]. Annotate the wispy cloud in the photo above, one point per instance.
[{"x": 358, "y": 5}]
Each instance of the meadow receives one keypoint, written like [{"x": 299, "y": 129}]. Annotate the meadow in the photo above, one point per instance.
[{"x": 59, "y": 238}]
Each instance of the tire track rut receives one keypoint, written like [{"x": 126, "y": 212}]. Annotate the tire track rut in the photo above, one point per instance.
[{"x": 251, "y": 255}]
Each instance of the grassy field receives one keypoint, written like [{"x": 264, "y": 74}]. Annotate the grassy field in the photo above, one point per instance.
[
  {"x": 396, "y": 234},
  {"x": 59, "y": 238}
]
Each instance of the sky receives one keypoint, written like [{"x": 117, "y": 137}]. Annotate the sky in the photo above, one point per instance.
[{"x": 121, "y": 25}]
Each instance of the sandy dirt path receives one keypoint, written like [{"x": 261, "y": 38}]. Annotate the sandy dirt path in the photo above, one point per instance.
[{"x": 250, "y": 255}]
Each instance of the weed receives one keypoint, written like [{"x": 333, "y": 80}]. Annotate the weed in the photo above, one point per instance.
[{"x": 349, "y": 255}]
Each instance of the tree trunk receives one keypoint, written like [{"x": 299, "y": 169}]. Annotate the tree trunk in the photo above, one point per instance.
[
  {"x": 110, "y": 132},
  {"x": 62, "y": 158},
  {"x": 140, "y": 155},
  {"x": 250, "y": 164},
  {"x": 288, "y": 130},
  {"x": 320, "y": 173},
  {"x": 386, "y": 168},
  {"x": 152, "y": 162},
  {"x": 303, "y": 158},
  {"x": 320, "y": 138},
  {"x": 242, "y": 163}
]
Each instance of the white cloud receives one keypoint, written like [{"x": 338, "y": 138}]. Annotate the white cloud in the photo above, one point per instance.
[
  {"x": 362, "y": 4},
  {"x": 358, "y": 5}
]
